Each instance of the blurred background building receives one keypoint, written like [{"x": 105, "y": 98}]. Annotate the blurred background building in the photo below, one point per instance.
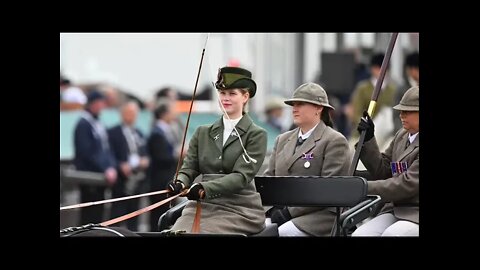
[{"x": 141, "y": 63}]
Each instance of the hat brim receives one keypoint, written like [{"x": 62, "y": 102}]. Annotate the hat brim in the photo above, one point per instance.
[
  {"x": 242, "y": 83},
  {"x": 401, "y": 107},
  {"x": 290, "y": 102},
  {"x": 273, "y": 107}
]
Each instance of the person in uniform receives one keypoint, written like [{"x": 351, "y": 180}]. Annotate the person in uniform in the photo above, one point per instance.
[
  {"x": 397, "y": 172},
  {"x": 313, "y": 148},
  {"x": 224, "y": 158},
  {"x": 93, "y": 154}
]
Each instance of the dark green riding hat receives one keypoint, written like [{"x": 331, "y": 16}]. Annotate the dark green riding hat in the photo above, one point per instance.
[{"x": 235, "y": 77}]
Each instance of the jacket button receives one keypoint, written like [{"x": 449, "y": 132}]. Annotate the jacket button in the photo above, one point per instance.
[
  {"x": 220, "y": 171},
  {"x": 220, "y": 157}
]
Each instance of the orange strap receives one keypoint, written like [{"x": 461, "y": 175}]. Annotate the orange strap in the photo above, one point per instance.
[
  {"x": 140, "y": 211},
  {"x": 196, "y": 221}
]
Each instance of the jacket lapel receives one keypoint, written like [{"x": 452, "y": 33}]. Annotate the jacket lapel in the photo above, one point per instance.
[
  {"x": 288, "y": 148},
  {"x": 216, "y": 133},
  {"x": 410, "y": 148},
  {"x": 242, "y": 127},
  {"x": 308, "y": 145}
]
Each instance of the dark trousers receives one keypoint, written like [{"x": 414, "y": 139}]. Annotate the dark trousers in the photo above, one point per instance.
[
  {"x": 91, "y": 214},
  {"x": 124, "y": 207},
  {"x": 157, "y": 212}
]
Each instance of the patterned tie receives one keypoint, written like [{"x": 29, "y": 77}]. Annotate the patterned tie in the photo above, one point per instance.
[
  {"x": 408, "y": 143},
  {"x": 300, "y": 141}
]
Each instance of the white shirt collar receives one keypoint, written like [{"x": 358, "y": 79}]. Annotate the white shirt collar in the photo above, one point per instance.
[
  {"x": 228, "y": 127},
  {"x": 306, "y": 135},
  {"x": 229, "y": 124},
  {"x": 124, "y": 126},
  {"x": 411, "y": 137},
  {"x": 163, "y": 125}
]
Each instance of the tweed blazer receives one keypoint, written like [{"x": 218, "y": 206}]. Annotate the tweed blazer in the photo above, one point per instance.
[
  {"x": 402, "y": 189},
  {"x": 231, "y": 204},
  {"x": 331, "y": 157}
]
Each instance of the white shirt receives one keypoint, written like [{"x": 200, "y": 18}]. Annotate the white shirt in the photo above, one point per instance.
[
  {"x": 411, "y": 137},
  {"x": 130, "y": 136},
  {"x": 228, "y": 127},
  {"x": 167, "y": 129},
  {"x": 306, "y": 135},
  {"x": 132, "y": 140}
]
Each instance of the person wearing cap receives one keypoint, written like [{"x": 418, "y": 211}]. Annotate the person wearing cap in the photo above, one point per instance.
[
  {"x": 93, "y": 154},
  {"x": 274, "y": 112},
  {"x": 313, "y": 148},
  {"x": 224, "y": 158},
  {"x": 396, "y": 171}
]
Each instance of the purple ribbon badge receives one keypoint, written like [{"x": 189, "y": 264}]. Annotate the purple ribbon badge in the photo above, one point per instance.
[{"x": 307, "y": 157}]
